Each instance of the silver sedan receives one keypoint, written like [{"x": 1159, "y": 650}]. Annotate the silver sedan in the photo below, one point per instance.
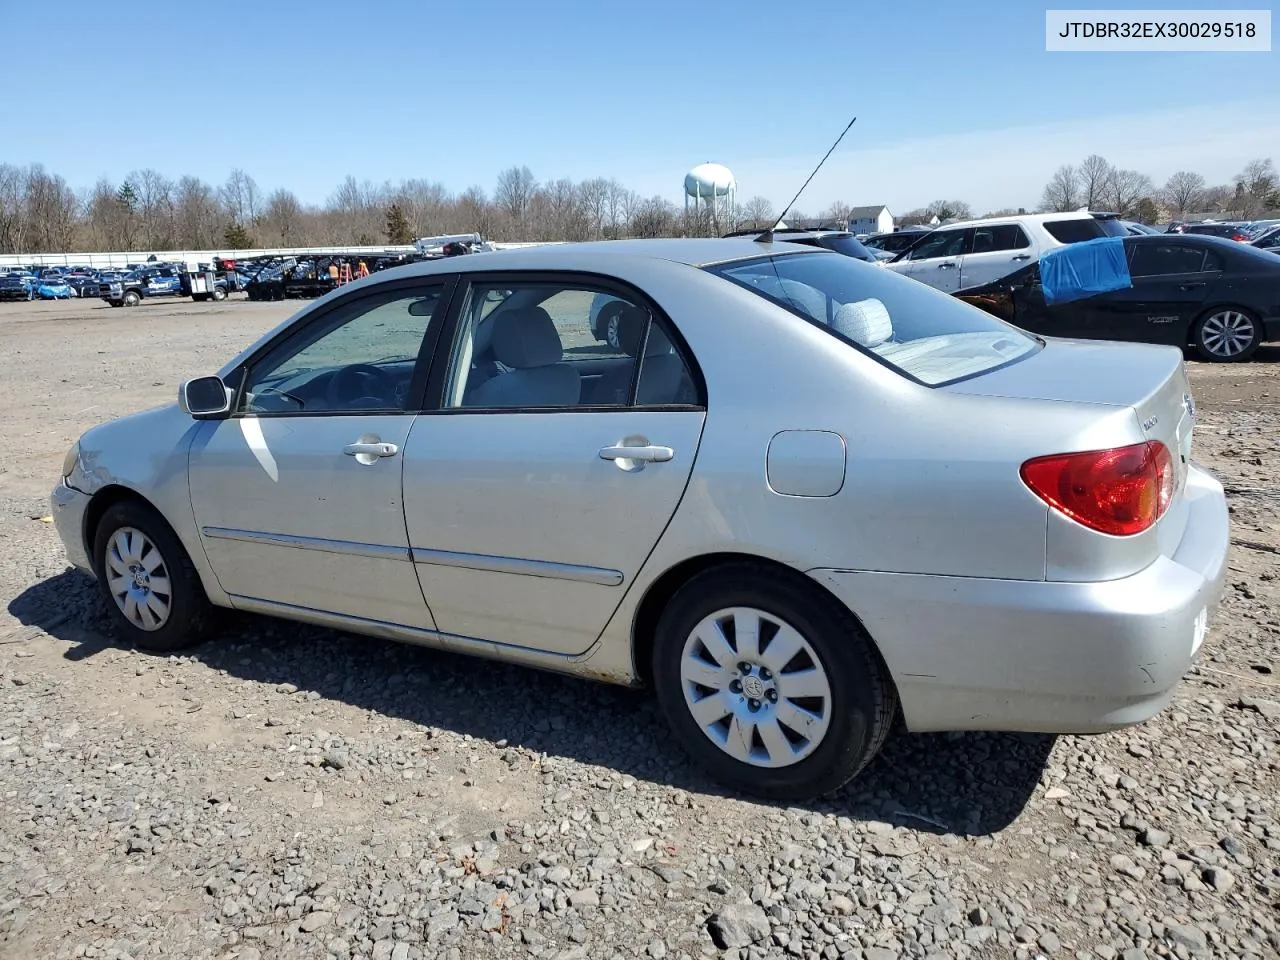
[{"x": 800, "y": 497}]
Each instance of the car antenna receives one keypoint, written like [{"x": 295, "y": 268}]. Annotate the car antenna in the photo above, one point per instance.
[{"x": 767, "y": 236}]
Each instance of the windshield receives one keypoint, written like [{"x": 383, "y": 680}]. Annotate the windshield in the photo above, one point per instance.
[{"x": 929, "y": 336}]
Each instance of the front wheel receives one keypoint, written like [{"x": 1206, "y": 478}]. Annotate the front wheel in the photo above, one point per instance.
[
  {"x": 219, "y": 293},
  {"x": 152, "y": 589},
  {"x": 131, "y": 298},
  {"x": 1227, "y": 335},
  {"x": 770, "y": 683}
]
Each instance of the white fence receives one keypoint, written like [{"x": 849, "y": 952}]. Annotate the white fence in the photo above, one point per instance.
[{"x": 100, "y": 260}]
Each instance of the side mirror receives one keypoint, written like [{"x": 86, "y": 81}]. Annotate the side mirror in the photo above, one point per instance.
[{"x": 205, "y": 397}]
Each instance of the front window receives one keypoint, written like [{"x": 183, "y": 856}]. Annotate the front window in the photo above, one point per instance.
[
  {"x": 1080, "y": 229},
  {"x": 942, "y": 243},
  {"x": 929, "y": 336},
  {"x": 358, "y": 358}
]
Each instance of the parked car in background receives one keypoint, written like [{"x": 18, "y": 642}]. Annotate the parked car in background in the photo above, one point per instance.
[
  {"x": 54, "y": 287},
  {"x": 16, "y": 286},
  {"x": 1136, "y": 229},
  {"x": 807, "y": 499},
  {"x": 1219, "y": 297},
  {"x": 142, "y": 284},
  {"x": 894, "y": 243},
  {"x": 1268, "y": 240},
  {"x": 1231, "y": 231},
  {"x": 974, "y": 252}
]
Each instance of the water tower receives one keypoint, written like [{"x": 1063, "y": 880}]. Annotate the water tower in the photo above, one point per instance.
[{"x": 713, "y": 192}]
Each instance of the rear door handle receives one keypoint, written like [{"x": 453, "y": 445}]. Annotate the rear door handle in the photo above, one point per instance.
[
  {"x": 371, "y": 449},
  {"x": 649, "y": 453},
  {"x": 1022, "y": 256},
  {"x": 946, "y": 266},
  {"x": 1191, "y": 286}
]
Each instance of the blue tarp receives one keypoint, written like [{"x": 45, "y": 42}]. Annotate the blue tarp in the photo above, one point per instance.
[{"x": 1081, "y": 270}]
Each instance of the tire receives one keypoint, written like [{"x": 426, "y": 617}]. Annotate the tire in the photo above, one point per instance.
[
  {"x": 131, "y": 298},
  {"x": 859, "y": 705},
  {"x": 199, "y": 297},
  {"x": 219, "y": 293},
  {"x": 1227, "y": 334},
  {"x": 188, "y": 615}
]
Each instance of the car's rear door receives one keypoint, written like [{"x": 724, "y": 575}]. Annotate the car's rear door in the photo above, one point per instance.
[
  {"x": 1171, "y": 278},
  {"x": 526, "y": 515},
  {"x": 995, "y": 251}
]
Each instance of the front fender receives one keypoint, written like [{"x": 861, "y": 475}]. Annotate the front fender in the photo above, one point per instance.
[{"x": 147, "y": 454}]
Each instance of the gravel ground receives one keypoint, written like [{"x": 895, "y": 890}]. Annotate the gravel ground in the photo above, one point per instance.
[{"x": 290, "y": 792}]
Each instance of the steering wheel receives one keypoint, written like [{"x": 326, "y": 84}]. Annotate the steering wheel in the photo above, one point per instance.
[{"x": 361, "y": 384}]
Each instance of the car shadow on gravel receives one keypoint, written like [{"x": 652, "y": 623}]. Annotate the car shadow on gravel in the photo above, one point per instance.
[{"x": 962, "y": 784}]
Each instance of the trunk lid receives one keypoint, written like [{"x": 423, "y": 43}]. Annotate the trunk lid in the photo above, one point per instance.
[{"x": 1151, "y": 380}]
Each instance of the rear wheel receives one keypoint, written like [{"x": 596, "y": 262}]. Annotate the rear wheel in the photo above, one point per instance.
[
  {"x": 1227, "y": 334},
  {"x": 770, "y": 683},
  {"x": 152, "y": 589}
]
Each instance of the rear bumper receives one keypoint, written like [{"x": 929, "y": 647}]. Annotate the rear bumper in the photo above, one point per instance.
[{"x": 1050, "y": 657}]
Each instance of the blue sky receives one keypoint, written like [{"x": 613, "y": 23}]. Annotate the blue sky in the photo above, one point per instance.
[{"x": 953, "y": 100}]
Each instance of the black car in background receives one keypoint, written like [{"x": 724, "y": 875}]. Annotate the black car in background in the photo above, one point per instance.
[{"x": 1220, "y": 297}]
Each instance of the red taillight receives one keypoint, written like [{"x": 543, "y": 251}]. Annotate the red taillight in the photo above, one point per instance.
[
  {"x": 1239, "y": 238},
  {"x": 1122, "y": 491}
]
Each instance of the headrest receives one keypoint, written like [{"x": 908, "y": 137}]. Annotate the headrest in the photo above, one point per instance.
[
  {"x": 526, "y": 338},
  {"x": 865, "y": 322},
  {"x": 631, "y": 326}
]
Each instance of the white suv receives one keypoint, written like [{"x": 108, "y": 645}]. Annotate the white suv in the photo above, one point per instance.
[{"x": 962, "y": 255}]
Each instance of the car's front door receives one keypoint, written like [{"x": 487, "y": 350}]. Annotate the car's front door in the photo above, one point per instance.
[
  {"x": 536, "y": 491},
  {"x": 297, "y": 495},
  {"x": 936, "y": 259},
  {"x": 995, "y": 251}
]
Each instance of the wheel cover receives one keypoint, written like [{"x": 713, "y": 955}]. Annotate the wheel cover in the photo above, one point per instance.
[
  {"x": 138, "y": 579},
  {"x": 755, "y": 687},
  {"x": 1227, "y": 334}
]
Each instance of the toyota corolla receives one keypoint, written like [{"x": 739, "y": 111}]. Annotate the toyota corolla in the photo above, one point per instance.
[{"x": 800, "y": 497}]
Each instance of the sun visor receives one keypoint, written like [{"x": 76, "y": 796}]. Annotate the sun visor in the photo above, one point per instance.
[{"x": 1080, "y": 270}]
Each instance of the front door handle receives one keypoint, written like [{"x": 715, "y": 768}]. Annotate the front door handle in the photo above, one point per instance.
[
  {"x": 1022, "y": 256},
  {"x": 946, "y": 266},
  {"x": 371, "y": 449},
  {"x": 648, "y": 453},
  {"x": 1190, "y": 286}
]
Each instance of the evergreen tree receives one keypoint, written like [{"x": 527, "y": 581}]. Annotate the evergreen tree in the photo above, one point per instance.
[
  {"x": 237, "y": 237},
  {"x": 127, "y": 197},
  {"x": 398, "y": 229}
]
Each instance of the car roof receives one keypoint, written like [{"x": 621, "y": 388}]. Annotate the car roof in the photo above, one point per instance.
[
  {"x": 1025, "y": 217},
  {"x": 604, "y": 254}
]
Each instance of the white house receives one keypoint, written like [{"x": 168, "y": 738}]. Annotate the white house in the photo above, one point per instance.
[{"x": 875, "y": 219}]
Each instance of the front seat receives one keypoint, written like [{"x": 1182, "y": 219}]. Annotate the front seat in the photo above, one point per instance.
[{"x": 527, "y": 341}]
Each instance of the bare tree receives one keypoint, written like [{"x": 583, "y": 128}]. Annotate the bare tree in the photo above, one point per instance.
[
  {"x": 838, "y": 213},
  {"x": 1095, "y": 171},
  {"x": 1123, "y": 190},
  {"x": 949, "y": 210},
  {"x": 282, "y": 219},
  {"x": 655, "y": 217},
  {"x": 51, "y": 208},
  {"x": 1215, "y": 199},
  {"x": 756, "y": 212},
  {"x": 514, "y": 193},
  {"x": 12, "y": 207},
  {"x": 198, "y": 217},
  {"x": 241, "y": 197},
  {"x": 593, "y": 195},
  {"x": 154, "y": 209},
  {"x": 1062, "y": 192},
  {"x": 1183, "y": 193},
  {"x": 1257, "y": 188}
]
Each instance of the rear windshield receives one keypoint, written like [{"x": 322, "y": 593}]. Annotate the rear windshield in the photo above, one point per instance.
[
  {"x": 1079, "y": 229},
  {"x": 925, "y": 334},
  {"x": 848, "y": 245}
]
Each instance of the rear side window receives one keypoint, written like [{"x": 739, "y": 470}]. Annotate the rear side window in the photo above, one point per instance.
[
  {"x": 1006, "y": 236},
  {"x": 1076, "y": 230},
  {"x": 927, "y": 335},
  {"x": 1162, "y": 259}
]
